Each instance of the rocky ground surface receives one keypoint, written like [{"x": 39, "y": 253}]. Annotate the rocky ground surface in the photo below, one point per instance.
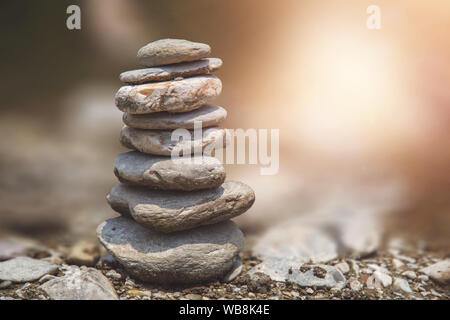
[{"x": 391, "y": 273}]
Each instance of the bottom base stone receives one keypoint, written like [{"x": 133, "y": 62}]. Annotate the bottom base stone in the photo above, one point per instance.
[{"x": 199, "y": 255}]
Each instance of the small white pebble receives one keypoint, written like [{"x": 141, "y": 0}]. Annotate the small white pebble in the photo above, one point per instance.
[
  {"x": 409, "y": 274},
  {"x": 114, "y": 275},
  {"x": 309, "y": 291},
  {"x": 423, "y": 278},
  {"x": 46, "y": 278},
  {"x": 378, "y": 268},
  {"x": 402, "y": 285},
  {"x": 397, "y": 263},
  {"x": 434, "y": 293},
  {"x": 343, "y": 267},
  {"x": 405, "y": 258},
  {"x": 355, "y": 285}
]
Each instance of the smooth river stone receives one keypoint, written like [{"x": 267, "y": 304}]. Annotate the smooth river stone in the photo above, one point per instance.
[
  {"x": 169, "y": 51},
  {"x": 24, "y": 269},
  {"x": 170, "y": 211},
  {"x": 159, "y": 142},
  {"x": 173, "y": 96},
  {"x": 169, "y": 174},
  {"x": 194, "y": 256},
  {"x": 171, "y": 71},
  {"x": 208, "y": 115}
]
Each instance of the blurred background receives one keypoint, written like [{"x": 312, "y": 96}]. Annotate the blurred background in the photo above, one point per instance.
[{"x": 364, "y": 115}]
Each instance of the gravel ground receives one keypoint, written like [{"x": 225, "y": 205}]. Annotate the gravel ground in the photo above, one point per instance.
[{"x": 243, "y": 287}]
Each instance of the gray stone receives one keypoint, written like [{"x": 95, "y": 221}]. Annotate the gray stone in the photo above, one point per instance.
[
  {"x": 80, "y": 284},
  {"x": 355, "y": 285},
  {"x": 203, "y": 254},
  {"x": 322, "y": 276},
  {"x": 208, "y": 115},
  {"x": 410, "y": 274},
  {"x": 173, "y": 96},
  {"x": 46, "y": 278},
  {"x": 159, "y": 142},
  {"x": 423, "y": 278},
  {"x": 24, "y": 269},
  {"x": 159, "y": 172},
  {"x": 378, "y": 280},
  {"x": 234, "y": 272},
  {"x": 343, "y": 267},
  {"x": 169, "y": 51},
  {"x": 439, "y": 271},
  {"x": 113, "y": 274},
  {"x": 397, "y": 263},
  {"x": 171, "y": 71},
  {"x": 402, "y": 285},
  {"x": 169, "y": 211},
  {"x": 193, "y": 296}
]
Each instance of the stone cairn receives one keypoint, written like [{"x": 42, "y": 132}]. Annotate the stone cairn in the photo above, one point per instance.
[{"x": 174, "y": 226}]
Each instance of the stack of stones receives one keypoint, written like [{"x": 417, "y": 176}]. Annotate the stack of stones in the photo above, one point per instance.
[{"x": 174, "y": 226}]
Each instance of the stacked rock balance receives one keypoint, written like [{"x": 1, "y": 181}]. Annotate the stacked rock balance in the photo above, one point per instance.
[{"x": 175, "y": 223}]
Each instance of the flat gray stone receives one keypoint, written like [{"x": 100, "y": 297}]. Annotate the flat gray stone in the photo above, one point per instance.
[
  {"x": 159, "y": 172},
  {"x": 80, "y": 284},
  {"x": 321, "y": 276},
  {"x": 439, "y": 271},
  {"x": 402, "y": 285},
  {"x": 171, "y": 71},
  {"x": 209, "y": 115},
  {"x": 168, "y": 51},
  {"x": 173, "y": 96},
  {"x": 199, "y": 255},
  {"x": 24, "y": 269},
  {"x": 159, "y": 142},
  {"x": 169, "y": 211}
]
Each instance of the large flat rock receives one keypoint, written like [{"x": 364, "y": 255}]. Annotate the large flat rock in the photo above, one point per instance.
[
  {"x": 194, "y": 256},
  {"x": 171, "y": 71},
  {"x": 160, "y": 172},
  {"x": 24, "y": 269},
  {"x": 209, "y": 115},
  {"x": 159, "y": 142},
  {"x": 173, "y": 96},
  {"x": 168, "y": 51},
  {"x": 170, "y": 211}
]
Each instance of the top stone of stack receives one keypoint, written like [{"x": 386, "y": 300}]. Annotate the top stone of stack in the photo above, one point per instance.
[{"x": 170, "y": 51}]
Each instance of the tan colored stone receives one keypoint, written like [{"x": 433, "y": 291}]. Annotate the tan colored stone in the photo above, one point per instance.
[
  {"x": 173, "y": 96},
  {"x": 170, "y": 211},
  {"x": 171, "y": 71},
  {"x": 168, "y": 51},
  {"x": 159, "y": 142},
  {"x": 209, "y": 115},
  {"x": 160, "y": 172}
]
